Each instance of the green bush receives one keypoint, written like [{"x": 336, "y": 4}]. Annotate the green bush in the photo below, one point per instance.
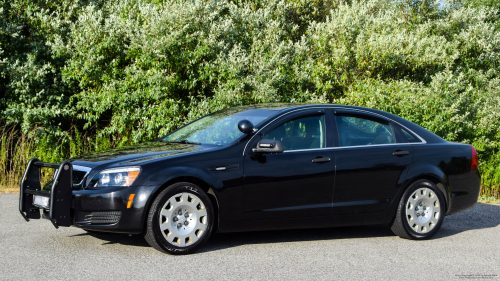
[{"x": 90, "y": 75}]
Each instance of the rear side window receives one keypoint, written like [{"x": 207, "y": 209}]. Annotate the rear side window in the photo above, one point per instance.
[
  {"x": 355, "y": 131},
  {"x": 409, "y": 136}
]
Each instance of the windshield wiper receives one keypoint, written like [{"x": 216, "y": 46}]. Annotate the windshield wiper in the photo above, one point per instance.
[{"x": 183, "y": 142}]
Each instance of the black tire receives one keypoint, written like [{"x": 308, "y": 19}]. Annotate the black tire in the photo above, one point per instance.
[
  {"x": 401, "y": 224},
  {"x": 154, "y": 235}
]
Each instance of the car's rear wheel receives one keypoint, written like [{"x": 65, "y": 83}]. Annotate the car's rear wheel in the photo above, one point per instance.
[
  {"x": 180, "y": 219},
  {"x": 420, "y": 212}
]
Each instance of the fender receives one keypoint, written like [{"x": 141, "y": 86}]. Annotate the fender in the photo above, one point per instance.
[
  {"x": 155, "y": 182},
  {"x": 433, "y": 173},
  {"x": 226, "y": 186},
  {"x": 163, "y": 176}
]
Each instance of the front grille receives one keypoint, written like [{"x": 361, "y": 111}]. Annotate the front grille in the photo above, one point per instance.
[
  {"x": 103, "y": 217},
  {"x": 78, "y": 176}
]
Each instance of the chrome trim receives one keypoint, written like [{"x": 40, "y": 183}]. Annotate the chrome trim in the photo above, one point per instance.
[
  {"x": 352, "y": 146},
  {"x": 310, "y": 149},
  {"x": 81, "y": 169},
  {"x": 341, "y": 108},
  {"x": 370, "y": 145}
]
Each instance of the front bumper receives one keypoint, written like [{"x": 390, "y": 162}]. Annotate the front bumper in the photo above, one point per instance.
[
  {"x": 104, "y": 209},
  {"x": 107, "y": 209}
]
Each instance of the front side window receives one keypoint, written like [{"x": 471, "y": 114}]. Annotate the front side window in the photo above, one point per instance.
[
  {"x": 301, "y": 133},
  {"x": 354, "y": 131}
]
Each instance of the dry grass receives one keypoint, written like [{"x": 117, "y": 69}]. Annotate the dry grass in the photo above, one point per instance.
[
  {"x": 9, "y": 189},
  {"x": 488, "y": 200},
  {"x": 15, "y": 151}
]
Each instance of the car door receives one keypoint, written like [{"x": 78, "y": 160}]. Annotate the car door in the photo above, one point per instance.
[
  {"x": 298, "y": 182},
  {"x": 372, "y": 160}
]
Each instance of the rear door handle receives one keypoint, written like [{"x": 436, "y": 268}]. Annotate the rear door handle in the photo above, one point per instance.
[
  {"x": 321, "y": 160},
  {"x": 400, "y": 153}
]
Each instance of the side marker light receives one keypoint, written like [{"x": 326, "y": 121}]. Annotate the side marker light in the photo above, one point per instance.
[{"x": 130, "y": 200}]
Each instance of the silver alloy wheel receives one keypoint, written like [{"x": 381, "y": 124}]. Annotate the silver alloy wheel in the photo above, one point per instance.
[
  {"x": 183, "y": 219},
  {"x": 423, "y": 210}
]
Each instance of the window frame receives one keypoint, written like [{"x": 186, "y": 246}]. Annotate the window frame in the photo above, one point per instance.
[{"x": 288, "y": 116}]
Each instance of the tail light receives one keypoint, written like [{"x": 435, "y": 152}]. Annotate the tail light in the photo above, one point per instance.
[{"x": 474, "y": 163}]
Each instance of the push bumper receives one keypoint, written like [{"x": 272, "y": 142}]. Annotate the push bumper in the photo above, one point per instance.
[
  {"x": 104, "y": 209},
  {"x": 59, "y": 198}
]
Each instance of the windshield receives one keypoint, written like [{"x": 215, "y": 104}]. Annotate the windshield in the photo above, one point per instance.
[{"x": 218, "y": 128}]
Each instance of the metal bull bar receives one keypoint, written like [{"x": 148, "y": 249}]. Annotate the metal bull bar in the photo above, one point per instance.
[{"x": 60, "y": 194}]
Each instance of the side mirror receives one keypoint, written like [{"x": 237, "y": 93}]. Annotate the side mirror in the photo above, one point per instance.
[
  {"x": 268, "y": 146},
  {"x": 245, "y": 126}
]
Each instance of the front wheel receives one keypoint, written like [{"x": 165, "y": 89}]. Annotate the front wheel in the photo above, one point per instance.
[
  {"x": 180, "y": 219},
  {"x": 420, "y": 212}
]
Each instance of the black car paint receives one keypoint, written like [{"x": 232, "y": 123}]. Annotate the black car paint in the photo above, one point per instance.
[{"x": 261, "y": 192}]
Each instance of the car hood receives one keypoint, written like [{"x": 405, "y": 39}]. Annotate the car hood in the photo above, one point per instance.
[{"x": 137, "y": 154}]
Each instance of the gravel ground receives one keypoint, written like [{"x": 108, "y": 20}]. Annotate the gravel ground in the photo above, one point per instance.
[{"x": 467, "y": 247}]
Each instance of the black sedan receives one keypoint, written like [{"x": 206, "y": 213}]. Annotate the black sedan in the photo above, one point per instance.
[{"x": 264, "y": 167}]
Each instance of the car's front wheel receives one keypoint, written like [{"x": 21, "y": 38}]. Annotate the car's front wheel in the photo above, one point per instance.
[
  {"x": 180, "y": 219},
  {"x": 420, "y": 212}
]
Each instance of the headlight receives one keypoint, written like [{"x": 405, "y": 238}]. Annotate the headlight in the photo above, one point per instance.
[{"x": 116, "y": 177}]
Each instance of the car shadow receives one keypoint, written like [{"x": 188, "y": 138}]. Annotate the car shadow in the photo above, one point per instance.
[
  {"x": 480, "y": 217},
  {"x": 220, "y": 241},
  {"x": 116, "y": 238}
]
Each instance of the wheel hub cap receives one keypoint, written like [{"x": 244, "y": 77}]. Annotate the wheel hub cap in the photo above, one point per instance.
[
  {"x": 423, "y": 210},
  {"x": 183, "y": 219}
]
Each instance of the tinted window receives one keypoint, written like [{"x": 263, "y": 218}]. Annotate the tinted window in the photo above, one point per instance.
[
  {"x": 409, "y": 136},
  {"x": 360, "y": 131},
  {"x": 300, "y": 133}
]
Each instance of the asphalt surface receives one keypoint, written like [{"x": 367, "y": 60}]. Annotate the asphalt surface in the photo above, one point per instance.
[{"x": 466, "y": 248}]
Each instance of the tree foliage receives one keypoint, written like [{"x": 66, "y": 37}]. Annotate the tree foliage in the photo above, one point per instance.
[{"x": 121, "y": 72}]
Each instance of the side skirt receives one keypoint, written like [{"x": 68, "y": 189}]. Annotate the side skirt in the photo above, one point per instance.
[{"x": 384, "y": 217}]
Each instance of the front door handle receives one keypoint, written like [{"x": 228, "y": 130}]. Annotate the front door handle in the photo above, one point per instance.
[
  {"x": 400, "y": 153},
  {"x": 321, "y": 160}
]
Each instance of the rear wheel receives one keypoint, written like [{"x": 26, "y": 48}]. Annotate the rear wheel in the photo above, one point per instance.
[
  {"x": 180, "y": 219},
  {"x": 420, "y": 212}
]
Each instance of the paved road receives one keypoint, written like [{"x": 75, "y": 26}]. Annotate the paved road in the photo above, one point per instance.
[{"x": 467, "y": 245}]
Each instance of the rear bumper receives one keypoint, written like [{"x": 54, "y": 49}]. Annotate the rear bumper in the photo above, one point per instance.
[{"x": 464, "y": 193}]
